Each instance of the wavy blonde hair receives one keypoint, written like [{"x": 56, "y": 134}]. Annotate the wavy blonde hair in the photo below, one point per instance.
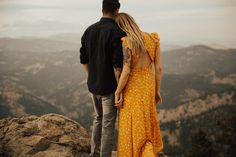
[{"x": 133, "y": 32}]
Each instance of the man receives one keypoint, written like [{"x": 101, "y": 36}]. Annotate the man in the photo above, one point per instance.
[{"x": 102, "y": 57}]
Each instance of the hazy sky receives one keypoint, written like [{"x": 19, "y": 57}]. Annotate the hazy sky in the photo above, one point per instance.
[{"x": 181, "y": 22}]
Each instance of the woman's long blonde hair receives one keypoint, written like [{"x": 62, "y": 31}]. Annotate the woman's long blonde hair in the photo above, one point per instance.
[{"x": 133, "y": 32}]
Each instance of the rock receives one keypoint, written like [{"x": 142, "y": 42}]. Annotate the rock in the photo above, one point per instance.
[{"x": 50, "y": 135}]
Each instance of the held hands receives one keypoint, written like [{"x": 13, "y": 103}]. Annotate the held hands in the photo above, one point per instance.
[
  {"x": 158, "y": 98},
  {"x": 118, "y": 99}
]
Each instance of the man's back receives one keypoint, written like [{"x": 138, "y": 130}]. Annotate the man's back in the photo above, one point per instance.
[{"x": 102, "y": 50}]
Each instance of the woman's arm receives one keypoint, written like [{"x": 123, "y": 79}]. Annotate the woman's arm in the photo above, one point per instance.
[
  {"x": 158, "y": 74},
  {"x": 125, "y": 71}
]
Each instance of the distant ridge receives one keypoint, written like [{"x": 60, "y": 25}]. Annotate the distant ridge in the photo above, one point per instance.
[{"x": 36, "y": 45}]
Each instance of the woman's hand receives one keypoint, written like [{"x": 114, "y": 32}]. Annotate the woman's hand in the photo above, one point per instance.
[
  {"x": 118, "y": 99},
  {"x": 158, "y": 98}
]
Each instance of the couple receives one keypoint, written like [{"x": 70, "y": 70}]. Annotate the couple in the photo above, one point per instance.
[{"x": 118, "y": 57}]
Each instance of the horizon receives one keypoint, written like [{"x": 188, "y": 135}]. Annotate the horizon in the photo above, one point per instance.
[{"x": 180, "y": 23}]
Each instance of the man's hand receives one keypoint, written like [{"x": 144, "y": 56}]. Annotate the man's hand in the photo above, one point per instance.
[
  {"x": 158, "y": 98},
  {"x": 119, "y": 100}
]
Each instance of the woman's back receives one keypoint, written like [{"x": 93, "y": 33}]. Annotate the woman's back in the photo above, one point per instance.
[
  {"x": 145, "y": 59},
  {"x": 142, "y": 62}
]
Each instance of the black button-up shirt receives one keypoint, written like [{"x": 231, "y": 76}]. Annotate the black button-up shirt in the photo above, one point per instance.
[{"x": 101, "y": 49}]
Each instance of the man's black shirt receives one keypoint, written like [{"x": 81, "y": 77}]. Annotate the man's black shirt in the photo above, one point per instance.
[{"x": 101, "y": 49}]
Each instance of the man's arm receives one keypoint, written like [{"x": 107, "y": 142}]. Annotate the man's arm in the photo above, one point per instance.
[
  {"x": 117, "y": 56},
  {"x": 123, "y": 78},
  {"x": 86, "y": 67},
  {"x": 83, "y": 53},
  {"x": 125, "y": 71},
  {"x": 117, "y": 72},
  {"x": 117, "y": 61}
]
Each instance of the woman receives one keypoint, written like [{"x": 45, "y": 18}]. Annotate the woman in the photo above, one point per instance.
[{"x": 139, "y": 132}]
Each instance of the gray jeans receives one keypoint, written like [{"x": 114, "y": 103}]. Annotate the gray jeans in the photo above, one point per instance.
[{"x": 103, "y": 125}]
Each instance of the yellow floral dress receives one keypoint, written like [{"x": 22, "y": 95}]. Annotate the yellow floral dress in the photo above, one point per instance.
[{"x": 139, "y": 132}]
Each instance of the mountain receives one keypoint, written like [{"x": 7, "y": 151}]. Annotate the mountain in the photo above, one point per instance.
[
  {"x": 198, "y": 83},
  {"x": 198, "y": 106},
  {"x": 181, "y": 135},
  {"x": 67, "y": 37},
  {"x": 39, "y": 83},
  {"x": 37, "y": 45},
  {"x": 199, "y": 59},
  {"x": 168, "y": 47},
  {"x": 180, "y": 88}
]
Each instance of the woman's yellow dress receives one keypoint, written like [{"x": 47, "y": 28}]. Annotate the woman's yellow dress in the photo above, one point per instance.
[{"x": 139, "y": 132}]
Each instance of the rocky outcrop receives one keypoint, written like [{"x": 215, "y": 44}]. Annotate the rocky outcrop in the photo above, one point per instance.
[{"x": 50, "y": 135}]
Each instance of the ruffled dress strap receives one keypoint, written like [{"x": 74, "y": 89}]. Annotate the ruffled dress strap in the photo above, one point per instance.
[
  {"x": 151, "y": 41},
  {"x": 156, "y": 38}
]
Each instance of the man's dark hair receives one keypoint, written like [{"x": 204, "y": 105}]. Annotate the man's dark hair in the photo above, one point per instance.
[{"x": 110, "y": 6}]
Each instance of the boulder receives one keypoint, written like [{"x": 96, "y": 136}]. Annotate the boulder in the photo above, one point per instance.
[{"x": 50, "y": 135}]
